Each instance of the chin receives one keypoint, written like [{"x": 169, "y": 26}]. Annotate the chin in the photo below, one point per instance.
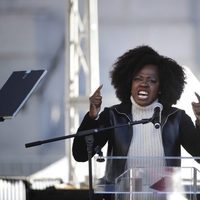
[{"x": 143, "y": 103}]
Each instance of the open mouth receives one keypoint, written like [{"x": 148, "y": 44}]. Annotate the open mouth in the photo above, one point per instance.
[{"x": 143, "y": 94}]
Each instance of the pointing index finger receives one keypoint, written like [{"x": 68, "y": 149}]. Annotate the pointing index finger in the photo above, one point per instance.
[
  {"x": 98, "y": 89},
  {"x": 198, "y": 97}
]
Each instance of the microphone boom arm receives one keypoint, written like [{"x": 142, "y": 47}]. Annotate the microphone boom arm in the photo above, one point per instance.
[
  {"x": 86, "y": 132},
  {"x": 89, "y": 141}
]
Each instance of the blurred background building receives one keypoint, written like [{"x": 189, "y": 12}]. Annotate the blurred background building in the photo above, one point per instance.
[{"x": 34, "y": 34}]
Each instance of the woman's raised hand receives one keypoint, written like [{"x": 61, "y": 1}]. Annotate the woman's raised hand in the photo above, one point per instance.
[
  {"x": 95, "y": 103},
  {"x": 196, "y": 108}
]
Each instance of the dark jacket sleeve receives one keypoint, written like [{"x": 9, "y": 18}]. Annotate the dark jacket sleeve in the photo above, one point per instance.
[
  {"x": 79, "y": 147},
  {"x": 190, "y": 135}
]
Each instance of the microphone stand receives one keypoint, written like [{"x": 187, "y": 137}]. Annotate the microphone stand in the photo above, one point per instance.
[{"x": 89, "y": 141}]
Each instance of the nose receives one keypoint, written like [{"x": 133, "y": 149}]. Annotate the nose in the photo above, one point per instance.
[{"x": 144, "y": 82}]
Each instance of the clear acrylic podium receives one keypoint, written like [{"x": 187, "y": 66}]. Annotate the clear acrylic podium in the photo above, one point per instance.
[{"x": 149, "y": 178}]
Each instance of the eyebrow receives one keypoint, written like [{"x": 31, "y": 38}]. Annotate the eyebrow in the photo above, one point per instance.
[{"x": 148, "y": 76}]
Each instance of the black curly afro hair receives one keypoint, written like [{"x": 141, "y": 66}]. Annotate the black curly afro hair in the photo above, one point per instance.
[
  {"x": 172, "y": 81},
  {"x": 172, "y": 76}
]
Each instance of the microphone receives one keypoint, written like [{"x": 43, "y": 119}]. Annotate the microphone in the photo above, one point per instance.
[{"x": 156, "y": 119}]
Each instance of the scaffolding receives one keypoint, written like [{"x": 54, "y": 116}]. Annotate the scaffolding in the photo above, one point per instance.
[{"x": 82, "y": 65}]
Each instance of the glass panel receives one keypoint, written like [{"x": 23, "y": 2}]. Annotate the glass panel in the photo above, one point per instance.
[{"x": 147, "y": 178}]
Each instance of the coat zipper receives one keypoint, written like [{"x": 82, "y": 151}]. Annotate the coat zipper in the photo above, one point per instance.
[
  {"x": 168, "y": 117},
  {"x": 123, "y": 114}
]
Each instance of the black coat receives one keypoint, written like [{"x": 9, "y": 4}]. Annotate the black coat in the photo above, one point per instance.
[{"x": 177, "y": 129}]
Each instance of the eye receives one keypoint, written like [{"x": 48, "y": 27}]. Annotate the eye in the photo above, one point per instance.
[
  {"x": 152, "y": 81},
  {"x": 137, "y": 78}
]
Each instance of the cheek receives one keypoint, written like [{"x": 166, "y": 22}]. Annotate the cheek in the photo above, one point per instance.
[
  {"x": 156, "y": 91},
  {"x": 133, "y": 86},
  {"x": 133, "y": 89}
]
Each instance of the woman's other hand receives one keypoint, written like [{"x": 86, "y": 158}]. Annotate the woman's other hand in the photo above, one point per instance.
[
  {"x": 196, "y": 108},
  {"x": 95, "y": 103}
]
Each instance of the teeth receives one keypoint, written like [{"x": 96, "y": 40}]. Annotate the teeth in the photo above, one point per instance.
[{"x": 143, "y": 94}]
